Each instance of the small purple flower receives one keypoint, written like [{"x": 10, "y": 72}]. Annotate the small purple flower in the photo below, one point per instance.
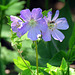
[
  {"x": 53, "y": 27},
  {"x": 34, "y": 23},
  {"x": 16, "y": 25}
]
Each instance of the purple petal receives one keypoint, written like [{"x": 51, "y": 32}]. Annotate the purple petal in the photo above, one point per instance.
[
  {"x": 14, "y": 27},
  {"x": 33, "y": 33},
  {"x": 37, "y": 13},
  {"x": 62, "y": 24},
  {"x": 56, "y": 15},
  {"x": 57, "y": 35},
  {"x": 23, "y": 29},
  {"x": 41, "y": 24},
  {"x": 49, "y": 15},
  {"x": 46, "y": 36},
  {"x": 14, "y": 18},
  {"x": 25, "y": 15},
  {"x": 46, "y": 19},
  {"x": 16, "y": 23}
]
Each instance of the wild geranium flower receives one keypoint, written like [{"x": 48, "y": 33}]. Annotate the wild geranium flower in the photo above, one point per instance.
[
  {"x": 16, "y": 25},
  {"x": 53, "y": 27},
  {"x": 33, "y": 23}
]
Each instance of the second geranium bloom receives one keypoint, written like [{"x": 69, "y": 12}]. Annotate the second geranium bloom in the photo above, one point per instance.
[{"x": 53, "y": 27}]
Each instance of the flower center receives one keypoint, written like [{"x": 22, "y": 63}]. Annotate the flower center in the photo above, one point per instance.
[
  {"x": 32, "y": 23},
  {"x": 19, "y": 24},
  {"x": 51, "y": 24}
]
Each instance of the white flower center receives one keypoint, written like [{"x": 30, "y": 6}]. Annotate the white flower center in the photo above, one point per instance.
[{"x": 32, "y": 23}]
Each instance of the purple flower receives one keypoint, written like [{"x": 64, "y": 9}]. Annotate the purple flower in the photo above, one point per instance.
[
  {"x": 53, "y": 27},
  {"x": 16, "y": 25},
  {"x": 34, "y": 23}
]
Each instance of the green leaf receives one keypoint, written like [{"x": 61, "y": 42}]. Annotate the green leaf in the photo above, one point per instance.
[
  {"x": 14, "y": 7},
  {"x": 33, "y": 69},
  {"x": 56, "y": 60},
  {"x": 45, "y": 12},
  {"x": 19, "y": 45},
  {"x": 71, "y": 54},
  {"x": 16, "y": 40},
  {"x": 59, "y": 72},
  {"x": 9, "y": 21},
  {"x": 72, "y": 39},
  {"x": 64, "y": 66},
  {"x": 46, "y": 49},
  {"x": 20, "y": 63},
  {"x": 53, "y": 73},
  {"x": 51, "y": 69},
  {"x": 26, "y": 72},
  {"x": 43, "y": 72}
]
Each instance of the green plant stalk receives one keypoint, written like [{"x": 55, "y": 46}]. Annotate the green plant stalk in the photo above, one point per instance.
[
  {"x": 23, "y": 59},
  {"x": 63, "y": 72},
  {"x": 68, "y": 69},
  {"x": 68, "y": 72},
  {"x": 1, "y": 23},
  {"x": 36, "y": 56},
  {"x": 25, "y": 62}
]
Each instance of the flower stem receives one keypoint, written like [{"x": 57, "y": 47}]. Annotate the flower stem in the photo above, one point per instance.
[{"x": 36, "y": 56}]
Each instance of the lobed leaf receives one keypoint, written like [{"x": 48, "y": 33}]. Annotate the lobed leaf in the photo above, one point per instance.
[
  {"x": 20, "y": 63},
  {"x": 14, "y": 7}
]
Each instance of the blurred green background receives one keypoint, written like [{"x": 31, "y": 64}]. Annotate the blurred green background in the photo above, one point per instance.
[{"x": 47, "y": 51}]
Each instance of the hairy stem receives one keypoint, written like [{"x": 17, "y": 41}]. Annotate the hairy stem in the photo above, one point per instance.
[
  {"x": 36, "y": 56},
  {"x": 23, "y": 59}
]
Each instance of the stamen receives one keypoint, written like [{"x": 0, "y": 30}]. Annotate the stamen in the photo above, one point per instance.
[
  {"x": 52, "y": 22},
  {"x": 51, "y": 25},
  {"x": 18, "y": 25}
]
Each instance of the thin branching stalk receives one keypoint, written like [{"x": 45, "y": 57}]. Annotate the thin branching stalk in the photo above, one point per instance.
[{"x": 23, "y": 59}]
